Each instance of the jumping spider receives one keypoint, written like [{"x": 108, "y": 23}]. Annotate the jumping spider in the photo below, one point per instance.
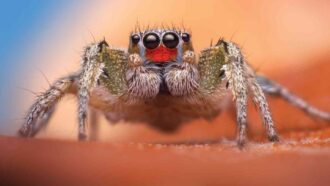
[{"x": 159, "y": 81}]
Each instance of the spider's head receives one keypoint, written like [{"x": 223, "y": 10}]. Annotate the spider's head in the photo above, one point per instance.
[{"x": 160, "y": 45}]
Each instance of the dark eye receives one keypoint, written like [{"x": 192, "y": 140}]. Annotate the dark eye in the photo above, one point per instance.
[
  {"x": 170, "y": 40},
  {"x": 151, "y": 41},
  {"x": 185, "y": 37},
  {"x": 135, "y": 39}
]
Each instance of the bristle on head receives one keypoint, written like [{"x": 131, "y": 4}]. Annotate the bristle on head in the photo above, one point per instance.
[{"x": 140, "y": 29}]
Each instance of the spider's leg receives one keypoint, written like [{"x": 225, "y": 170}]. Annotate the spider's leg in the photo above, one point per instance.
[
  {"x": 274, "y": 89},
  {"x": 101, "y": 66},
  {"x": 241, "y": 80},
  {"x": 217, "y": 64},
  {"x": 92, "y": 68},
  {"x": 260, "y": 101},
  {"x": 44, "y": 120},
  {"x": 93, "y": 71},
  {"x": 42, "y": 108},
  {"x": 235, "y": 74}
]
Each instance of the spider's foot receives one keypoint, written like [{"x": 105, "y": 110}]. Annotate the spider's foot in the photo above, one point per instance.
[
  {"x": 82, "y": 136},
  {"x": 24, "y": 132},
  {"x": 274, "y": 138},
  {"x": 241, "y": 143}
]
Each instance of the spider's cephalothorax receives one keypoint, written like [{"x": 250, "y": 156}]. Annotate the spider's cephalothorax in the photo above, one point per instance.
[{"x": 159, "y": 81}]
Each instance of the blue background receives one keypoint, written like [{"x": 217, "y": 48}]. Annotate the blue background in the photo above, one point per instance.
[{"x": 20, "y": 22}]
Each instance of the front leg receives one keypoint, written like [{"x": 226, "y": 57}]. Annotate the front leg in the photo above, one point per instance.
[
  {"x": 226, "y": 62},
  {"x": 92, "y": 66},
  {"x": 241, "y": 79},
  {"x": 235, "y": 72}
]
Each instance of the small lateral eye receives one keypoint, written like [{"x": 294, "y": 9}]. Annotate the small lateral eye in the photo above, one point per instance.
[
  {"x": 135, "y": 39},
  {"x": 185, "y": 37},
  {"x": 170, "y": 40},
  {"x": 151, "y": 41}
]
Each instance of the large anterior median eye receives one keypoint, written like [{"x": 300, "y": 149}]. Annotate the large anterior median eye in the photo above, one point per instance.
[
  {"x": 170, "y": 40},
  {"x": 151, "y": 41},
  {"x": 135, "y": 39}
]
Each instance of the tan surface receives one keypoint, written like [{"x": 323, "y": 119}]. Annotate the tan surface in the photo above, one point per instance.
[{"x": 44, "y": 162}]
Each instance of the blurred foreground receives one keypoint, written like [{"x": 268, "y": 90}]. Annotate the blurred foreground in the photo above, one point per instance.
[{"x": 46, "y": 162}]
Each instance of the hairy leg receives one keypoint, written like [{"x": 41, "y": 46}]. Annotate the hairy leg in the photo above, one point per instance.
[
  {"x": 260, "y": 101},
  {"x": 101, "y": 66},
  {"x": 43, "y": 121},
  {"x": 241, "y": 80},
  {"x": 235, "y": 72},
  {"x": 275, "y": 89},
  {"x": 96, "y": 57},
  {"x": 45, "y": 103},
  {"x": 92, "y": 68}
]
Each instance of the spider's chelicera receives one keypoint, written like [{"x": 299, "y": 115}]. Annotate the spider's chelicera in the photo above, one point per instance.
[{"x": 160, "y": 81}]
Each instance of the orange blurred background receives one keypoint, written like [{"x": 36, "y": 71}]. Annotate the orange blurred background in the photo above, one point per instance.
[{"x": 282, "y": 39}]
